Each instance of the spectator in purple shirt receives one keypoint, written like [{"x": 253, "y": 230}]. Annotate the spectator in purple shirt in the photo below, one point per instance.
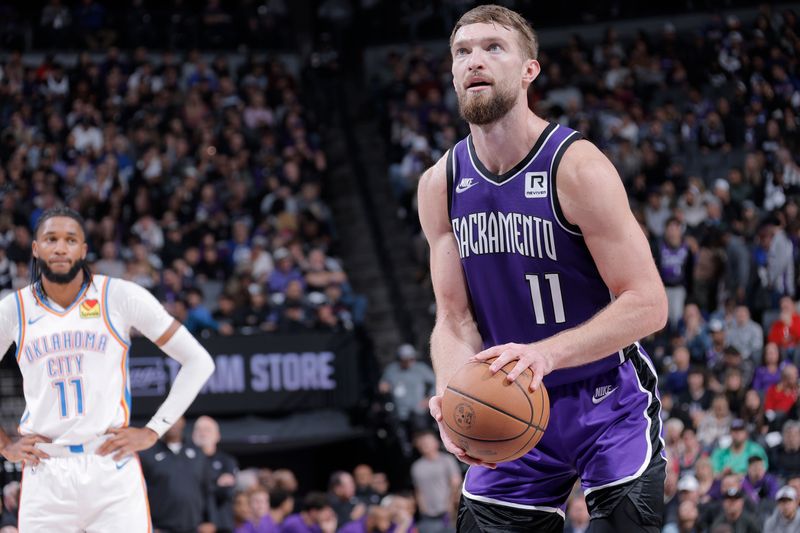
[
  {"x": 285, "y": 271},
  {"x": 377, "y": 520},
  {"x": 769, "y": 373},
  {"x": 757, "y": 484},
  {"x": 316, "y": 516}
]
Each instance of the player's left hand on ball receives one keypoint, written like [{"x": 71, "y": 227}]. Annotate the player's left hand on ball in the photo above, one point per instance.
[
  {"x": 127, "y": 441},
  {"x": 526, "y": 356}
]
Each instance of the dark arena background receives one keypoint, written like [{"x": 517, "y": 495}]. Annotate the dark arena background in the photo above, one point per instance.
[{"x": 254, "y": 165}]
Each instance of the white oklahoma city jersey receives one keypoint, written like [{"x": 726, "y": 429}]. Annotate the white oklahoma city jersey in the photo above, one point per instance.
[{"x": 74, "y": 361}]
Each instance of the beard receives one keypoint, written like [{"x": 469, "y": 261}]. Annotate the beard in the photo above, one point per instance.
[
  {"x": 481, "y": 109},
  {"x": 57, "y": 277}
]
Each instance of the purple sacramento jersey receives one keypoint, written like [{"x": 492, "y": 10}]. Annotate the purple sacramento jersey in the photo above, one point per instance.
[{"x": 529, "y": 276}]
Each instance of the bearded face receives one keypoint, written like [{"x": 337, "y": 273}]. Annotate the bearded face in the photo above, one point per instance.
[{"x": 483, "y": 102}]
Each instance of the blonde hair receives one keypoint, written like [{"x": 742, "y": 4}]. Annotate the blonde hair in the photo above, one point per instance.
[{"x": 511, "y": 20}]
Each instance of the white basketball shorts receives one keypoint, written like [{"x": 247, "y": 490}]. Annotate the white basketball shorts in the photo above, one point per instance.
[{"x": 84, "y": 492}]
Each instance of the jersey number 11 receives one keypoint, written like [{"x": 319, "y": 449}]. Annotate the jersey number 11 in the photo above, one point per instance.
[
  {"x": 61, "y": 386},
  {"x": 555, "y": 293}
]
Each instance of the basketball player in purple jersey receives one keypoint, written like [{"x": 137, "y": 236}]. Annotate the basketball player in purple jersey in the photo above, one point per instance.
[{"x": 556, "y": 275}]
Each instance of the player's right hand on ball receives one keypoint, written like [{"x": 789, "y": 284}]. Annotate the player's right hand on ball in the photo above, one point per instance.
[
  {"x": 25, "y": 449},
  {"x": 435, "y": 406}
]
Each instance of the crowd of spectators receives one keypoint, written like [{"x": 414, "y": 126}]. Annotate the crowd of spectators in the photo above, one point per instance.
[
  {"x": 704, "y": 129},
  {"x": 177, "y": 24},
  {"x": 199, "y": 179},
  {"x": 195, "y": 486}
]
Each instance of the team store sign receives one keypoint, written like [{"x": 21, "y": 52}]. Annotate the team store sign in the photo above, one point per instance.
[{"x": 256, "y": 374}]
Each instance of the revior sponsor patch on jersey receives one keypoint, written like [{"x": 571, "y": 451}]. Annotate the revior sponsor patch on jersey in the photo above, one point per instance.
[{"x": 90, "y": 309}]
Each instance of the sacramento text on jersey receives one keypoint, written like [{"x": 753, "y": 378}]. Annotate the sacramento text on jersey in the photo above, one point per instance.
[{"x": 512, "y": 233}]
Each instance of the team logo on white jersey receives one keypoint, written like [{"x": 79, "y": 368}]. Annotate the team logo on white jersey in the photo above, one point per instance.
[
  {"x": 536, "y": 185},
  {"x": 465, "y": 184},
  {"x": 90, "y": 309},
  {"x": 601, "y": 393}
]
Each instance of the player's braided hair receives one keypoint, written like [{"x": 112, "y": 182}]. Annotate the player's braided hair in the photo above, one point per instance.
[{"x": 36, "y": 272}]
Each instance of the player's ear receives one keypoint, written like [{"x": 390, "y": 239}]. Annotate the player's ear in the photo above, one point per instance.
[
  {"x": 35, "y": 249},
  {"x": 84, "y": 250},
  {"x": 531, "y": 71}
]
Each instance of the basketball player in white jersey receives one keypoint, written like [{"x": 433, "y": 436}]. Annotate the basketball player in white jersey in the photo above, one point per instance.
[{"x": 73, "y": 332}]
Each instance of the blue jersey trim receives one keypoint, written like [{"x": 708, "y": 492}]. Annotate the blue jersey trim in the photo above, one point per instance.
[
  {"x": 20, "y": 326},
  {"x": 42, "y": 299}
]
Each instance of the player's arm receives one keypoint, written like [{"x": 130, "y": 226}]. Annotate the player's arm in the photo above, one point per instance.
[
  {"x": 593, "y": 198},
  {"x": 455, "y": 336},
  {"x": 24, "y": 448},
  {"x": 148, "y": 316}
]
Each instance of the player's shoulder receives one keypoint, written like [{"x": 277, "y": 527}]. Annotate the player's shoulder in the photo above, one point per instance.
[
  {"x": 435, "y": 178},
  {"x": 8, "y": 301},
  {"x": 582, "y": 157},
  {"x": 118, "y": 290}
]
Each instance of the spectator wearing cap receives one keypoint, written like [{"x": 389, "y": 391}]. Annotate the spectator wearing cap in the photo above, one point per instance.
[
  {"x": 785, "y": 332},
  {"x": 285, "y": 271},
  {"x": 785, "y": 518},
  {"x": 758, "y": 485},
  {"x": 734, "y": 514},
  {"x": 734, "y": 458},
  {"x": 715, "y": 352},
  {"x": 410, "y": 384},
  {"x": 713, "y": 508}
]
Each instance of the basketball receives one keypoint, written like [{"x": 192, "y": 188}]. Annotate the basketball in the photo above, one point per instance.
[{"x": 491, "y": 419}]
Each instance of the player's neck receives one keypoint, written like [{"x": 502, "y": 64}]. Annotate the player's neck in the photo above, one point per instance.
[
  {"x": 63, "y": 294},
  {"x": 501, "y": 145}
]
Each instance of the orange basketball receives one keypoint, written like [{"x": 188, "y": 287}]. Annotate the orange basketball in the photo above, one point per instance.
[{"x": 490, "y": 418}]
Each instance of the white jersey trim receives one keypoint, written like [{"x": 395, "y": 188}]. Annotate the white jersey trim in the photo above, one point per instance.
[
  {"x": 521, "y": 170},
  {"x": 513, "y": 505},
  {"x": 649, "y": 455}
]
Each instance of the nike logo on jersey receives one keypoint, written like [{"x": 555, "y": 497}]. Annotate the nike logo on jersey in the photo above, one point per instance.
[
  {"x": 601, "y": 393},
  {"x": 32, "y": 321},
  {"x": 123, "y": 462},
  {"x": 465, "y": 184}
]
